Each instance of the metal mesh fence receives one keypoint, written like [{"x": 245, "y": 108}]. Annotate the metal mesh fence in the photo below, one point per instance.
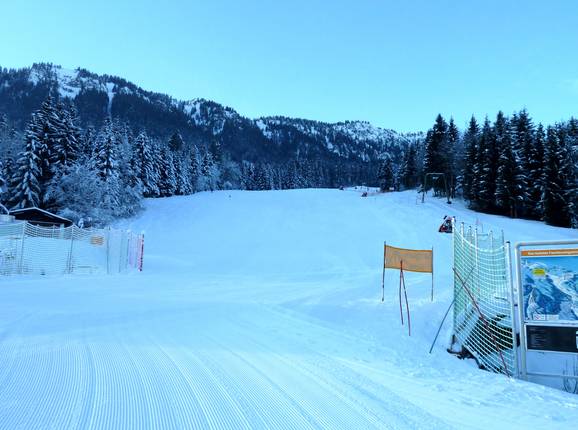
[
  {"x": 29, "y": 249},
  {"x": 483, "y": 321}
]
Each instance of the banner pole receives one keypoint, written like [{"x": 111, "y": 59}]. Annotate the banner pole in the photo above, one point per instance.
[
  {"x": 400, "y": 305},
  {"x": 383, "y": 274},
  {"x": 402, "y": 279},
  {"x": 432, "y": 273}
]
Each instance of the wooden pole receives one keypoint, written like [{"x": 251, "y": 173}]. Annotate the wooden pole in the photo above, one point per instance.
[
  {"x": 399, "y": 293},
  {"x": 402, "y": 281},
  {"x": 432, "y": 273},
  {"x": 383, "y": 274}
]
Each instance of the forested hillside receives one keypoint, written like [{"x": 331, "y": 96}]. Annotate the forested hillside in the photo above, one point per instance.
[
  {"x": 89, "y": 146},
  {"x": 510, "y": 166}
]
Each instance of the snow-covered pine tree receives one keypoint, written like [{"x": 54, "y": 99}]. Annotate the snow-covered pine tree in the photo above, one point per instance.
[
  {"x": 247, "y": 176},
  {"x": 508, "y": 189},
  {"x": 435, "y": 146},
  {"x": 183, "y": 172},
  {"x": 80, "y": 195},
  {"x": 523, "y": 146},
  {"x": 195, "y": 169},
  {"x": 106, "y": 165},
  {"x": 555, "y": 204},
  {"x": 49, "y": 134},
  {"x": 87, "y": 143},
  {"x": 3, "y": 183},
  {"x": 130, "y": 187},
  {"x": 105, "y": 152},
  {"x": 210, "y": 173},
  {"x": 568, "y": 172},
  {"x": 470, "y": 142},
  {"x": 145, "y": 167},
  {"x": 409, "y": 170},
  {"x": 435, "y": 158},
  {"x": 486, "y": 171},
  {"x": 176, "y": 143},
  {"x": 25, "y": 183},
  {"x": 181, "y": 163},
  {"x": 167, "y": 177},
  {"x": 572, "y": 147},
  {"x": 3, "y": 123},
  {"x": 386, "y": 175},
  {"x": 66, "y": 145},
  {"x": 536, "y": 173},
  {"x": 451, "y": 144},
  {"x": 288, "y": 176}
]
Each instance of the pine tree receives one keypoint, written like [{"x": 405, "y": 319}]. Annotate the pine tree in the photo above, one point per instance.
[
  {"x": 510, "y": 182},
  {"x": 435, "y": 145},
  {"x": 409, "y": 171},
  {"x": 176, "y": 143},
  {"x": 195, "y": 169},
  {"x": 471, "y": 143},
  {"x": 386, "y": 175},
  {"x": 145, "y": 165},
  {"x": 25, "y": 183},
  {"x": 65, "y": 151},
  {"x": 210, "y": 173},
  {"x": 487, "y": 162},
  {"x": 183, "y": 173},
  {"x": 567, "y": 173},
  {"x": 105, "y": 152},
  {"x": 167, "y": 179},
  {"x": 556, "y": 207},
  {"x": 105, "y": 163},
  {"x": 536, "y": 173},
  {"x": 508, "y": 192},
  {"x": 451, "y": 143},
  {"x": 435, "y": 160},
  {"x": 522, "y": 130}
]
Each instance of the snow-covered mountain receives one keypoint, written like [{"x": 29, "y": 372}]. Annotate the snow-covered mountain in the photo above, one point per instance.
[
  {"x": 200, "y": 121},
  {"x": 545, "y": 293}
]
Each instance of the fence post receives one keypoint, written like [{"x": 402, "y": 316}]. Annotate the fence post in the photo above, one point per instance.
[
  {"x": 121, "y": 266},
  {"x": 512, "y": 307},
  {"x": 20, "y": 263},
  {"x": 107, "y": 250},
  {"x": 477, "y": 263},
  {"x": 141, "y": 257},
  {"x": 71, "y": 249}
]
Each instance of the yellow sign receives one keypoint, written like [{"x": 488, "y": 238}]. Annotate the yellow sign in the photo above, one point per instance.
[
  {"x": 97, "y": 240},
  {"x": 411, "y": 260},
  {"x": 539, "y": 272}
]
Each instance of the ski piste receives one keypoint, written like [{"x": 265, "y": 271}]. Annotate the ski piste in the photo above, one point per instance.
[{"x": 261, "y": 310}]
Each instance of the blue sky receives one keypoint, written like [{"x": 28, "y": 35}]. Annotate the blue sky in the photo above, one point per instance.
[{"x": 395, "y": 64}]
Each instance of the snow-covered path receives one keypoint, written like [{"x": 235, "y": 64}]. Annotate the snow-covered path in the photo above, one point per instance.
[{"x": 259, "y": 310}]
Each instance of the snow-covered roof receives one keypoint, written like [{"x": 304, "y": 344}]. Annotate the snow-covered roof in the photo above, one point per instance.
[{"x": 34, "y": 208}]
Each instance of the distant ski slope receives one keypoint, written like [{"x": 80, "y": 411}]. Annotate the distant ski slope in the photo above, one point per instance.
[{"x": 260, "y": 310}]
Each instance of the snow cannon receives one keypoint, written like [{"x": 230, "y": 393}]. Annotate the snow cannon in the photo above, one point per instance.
[{"x": 446, "y": 226}]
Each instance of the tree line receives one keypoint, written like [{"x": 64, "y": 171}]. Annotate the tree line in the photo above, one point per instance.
[
  {"x": 95, "y": 175},
  {"x": 510, "y": 166}
]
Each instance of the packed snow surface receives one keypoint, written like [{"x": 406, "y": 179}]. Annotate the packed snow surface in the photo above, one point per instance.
[{"x": 260, "y": 310}]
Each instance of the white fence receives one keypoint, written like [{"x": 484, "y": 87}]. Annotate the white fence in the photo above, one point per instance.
[
  {"x": 29, "y": 249},
  {"x": 483, "y": 311}
]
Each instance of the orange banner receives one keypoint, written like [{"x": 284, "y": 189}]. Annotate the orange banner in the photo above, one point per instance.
[
  {"x": 412, "y": 260},
  {"x": 549, "y": 252}
]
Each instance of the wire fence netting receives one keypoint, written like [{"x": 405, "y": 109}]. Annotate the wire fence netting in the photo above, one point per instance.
[
  {"x": 483, "y": 323},
  {"x": 29, "y": 249}
]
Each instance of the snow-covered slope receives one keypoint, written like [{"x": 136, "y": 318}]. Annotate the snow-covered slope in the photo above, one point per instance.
[{"x": 260, "y": 310}]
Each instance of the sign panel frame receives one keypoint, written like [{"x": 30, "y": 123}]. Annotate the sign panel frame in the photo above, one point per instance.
[{"x": 544, "y": 333}]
